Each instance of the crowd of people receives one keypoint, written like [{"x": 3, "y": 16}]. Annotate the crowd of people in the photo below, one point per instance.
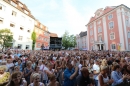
[{"x": 64, "y": 68}]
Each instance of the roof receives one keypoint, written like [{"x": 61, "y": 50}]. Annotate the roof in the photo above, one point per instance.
[
  {"x": 22, "y": 9},
  {"x": 83, "y": 34},
  {"x": 103, "y": 11},
  {"x": 53, "y": 35},
  {"x": 106, "y": 10},
  {"x": 38, "y": 25}
]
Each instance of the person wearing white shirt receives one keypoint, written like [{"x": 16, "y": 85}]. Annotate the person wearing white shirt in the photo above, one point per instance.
[{"x": 96, "y": 71}]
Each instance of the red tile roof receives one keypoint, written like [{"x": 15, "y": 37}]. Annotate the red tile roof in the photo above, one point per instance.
[
  {"x": 53, "y": 35},
  {"x": 20, "y": 8}
]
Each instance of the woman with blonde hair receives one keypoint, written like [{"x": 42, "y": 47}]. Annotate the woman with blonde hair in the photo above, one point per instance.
[
  {"x": 4, "y": 76},
  {"x": 103, "y": 79},
  {"x": 36, "y": 80}
]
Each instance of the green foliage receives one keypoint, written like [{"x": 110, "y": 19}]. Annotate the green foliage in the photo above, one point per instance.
[
  {"x": 68, "y": 41},
  {"x": 6, "y": 38},
  {"x": 33, "y": 37}
]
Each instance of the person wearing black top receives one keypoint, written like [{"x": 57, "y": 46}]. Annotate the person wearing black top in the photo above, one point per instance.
[
  {"x": 83, "y": 79},
  {"x": 42, "y": 47}
]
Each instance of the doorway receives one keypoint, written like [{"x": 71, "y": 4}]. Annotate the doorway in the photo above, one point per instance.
[{"x": 102, "y": 48}]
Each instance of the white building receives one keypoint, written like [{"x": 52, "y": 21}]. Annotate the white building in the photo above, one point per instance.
[
  {"x": 15, "y": 16},
  {"x": 81, "y": 40}
]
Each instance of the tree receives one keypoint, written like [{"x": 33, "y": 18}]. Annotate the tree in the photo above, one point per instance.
[
  {"x": 33, "y": 37},
  {"x": 68, "y": 41},
  {"x": 6, "y": 37}
]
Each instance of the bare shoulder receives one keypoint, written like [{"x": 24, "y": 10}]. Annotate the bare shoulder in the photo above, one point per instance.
[
  {"x": 57, "y": 83},
  {"x": 43, "y": 84}
]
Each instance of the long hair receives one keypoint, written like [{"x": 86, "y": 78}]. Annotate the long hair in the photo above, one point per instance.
[{"x": 11, "y": 83}]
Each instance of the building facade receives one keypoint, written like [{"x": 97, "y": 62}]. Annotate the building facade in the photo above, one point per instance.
[
  {"x": 42, "y": 35},
  {"x": 15, "y": 16},
  {"x": 81, "y": 40},
  {"x": 109, "y": 29}
]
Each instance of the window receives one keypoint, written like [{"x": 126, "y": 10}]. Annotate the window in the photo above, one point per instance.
[
  {"x": 21, "y": 28},
  {"x": 91, "y": 32},
  {"x": 30, "y": 22},
  {"x": 100, "y": 38},
  {"x": 20, "y": 38},
  {"x": 26, "y": 11},
  {"x": 91, "y": 26},
  {"x": 39, "y": 37},
  {"x": 28, "y": 39},
  {"x": 128, "y": 34},
  {"x": 12, "y": 25},
  {"x": 27, "y": 47},
  {"x": 113, "y": 46},
  {"x": 38, "y": 44},
  {"x": 28, "y": 31},
  {"x": 111, "y": 25},
  {"x": 99, "y": 22},
  {"x": 2, "y": 7},
  {"x": 1, "y": 20},
  {"x": 35, "y": 23},
  {"x": 14, "y": 13},
  {"x": 92, "y": 40},
  {"x": 112, "y": 36},
  {"x": 22, "y": 18},
  {"x": 127, "y": 22},
  {"x": 99, "y": 29},
  {"x": 40, "y": 26},
  {"x": 110, "y": 16},
  {"x": 14, "y": 4},
  {"x": 19, "y": 46},
  {"x": 20, "y": 5}
]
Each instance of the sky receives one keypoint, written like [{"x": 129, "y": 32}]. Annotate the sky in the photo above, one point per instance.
[{"x": 67, "y": 15}]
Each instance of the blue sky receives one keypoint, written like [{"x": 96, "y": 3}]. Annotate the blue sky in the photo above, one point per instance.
[{"x": 70, "y": 15}]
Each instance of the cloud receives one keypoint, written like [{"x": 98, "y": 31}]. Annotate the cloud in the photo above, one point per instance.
[{"x": 75, "y": 20}]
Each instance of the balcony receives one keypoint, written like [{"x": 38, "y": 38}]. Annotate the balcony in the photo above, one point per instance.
[{"x": 99, "y": 42}]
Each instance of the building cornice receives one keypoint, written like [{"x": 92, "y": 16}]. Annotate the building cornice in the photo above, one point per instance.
[
  {"x": 8, "y": 2},
  {"x": 107, "y": 13}
]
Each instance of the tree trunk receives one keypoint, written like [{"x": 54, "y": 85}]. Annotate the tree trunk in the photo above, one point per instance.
[{"x": 2, "y": 48}]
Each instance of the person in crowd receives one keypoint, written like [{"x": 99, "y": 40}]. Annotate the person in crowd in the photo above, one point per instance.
[
  {"x": 96, "y": 71},
  {"x": 16, "y": 79},
  {"x": 27, "y": 72},
  {"x": 53, "y": 81},
  {"x": 70, "y": 75},
  {"x": 41, "y": 65},
  {"x": 36, "y": 80},
  {"x": 34, "y": 60},
  {"x": 117, "y": 76},
  {"x": 80, "y": 66},
  {"x": 103, "y": 79},
  {"x": 36, "y": 70},
  {"x": 10, "y": 65},
  {"x": 83, "y": 79},
  {"x": 4, "y": 76}
]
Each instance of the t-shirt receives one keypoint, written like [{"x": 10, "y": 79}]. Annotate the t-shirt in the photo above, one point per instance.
[
  {"x": 83, "y": 81},
  {"x": 45, "y": 77},
  {"x": 97, "y": 68},
  {"x": 80, "y": 67},
  {"x": 67, "y": 74}
]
